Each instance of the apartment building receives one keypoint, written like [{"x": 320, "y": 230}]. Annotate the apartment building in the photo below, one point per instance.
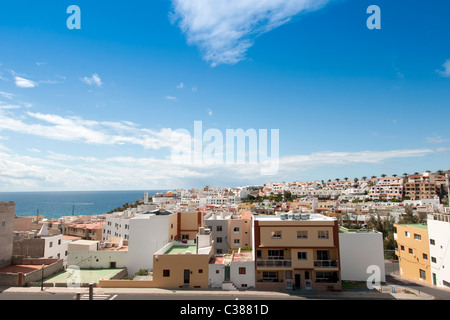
[
  {"x": 151, "y": 231},
  {"x": 413, "y": 251},
  {"x": 296, "y": 251},
  {"x": 387, "y": 188},
  {"x": 218, "y": 223},
  {"x": 88, "y": 230},
  {"x": 7, "y": 215},
  {"x": 420, "y": 187},
  {"x": 234, "y": 271},
  {"x": 439, "y": 241}
]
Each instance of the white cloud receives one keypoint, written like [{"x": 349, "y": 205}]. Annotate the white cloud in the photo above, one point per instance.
[
  {"x": 446, "y": 71},
  {"x": 6, "y": 95},
  {"x": 194, "y": 89},
  {"x": 94, "y": 80},
  {"x": 180, "y": 85},
  {"x": 171, "y": 98},
  {"x": 225, "y": 29},
  {"x": 24, "y": 83},
  {"x": 209, "y": 111},
  {"x": 437, "y": 139}
]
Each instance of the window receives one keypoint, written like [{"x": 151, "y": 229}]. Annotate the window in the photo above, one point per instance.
[
  {"x": 327, "y": 277},
  {"x": 425, "y": 256},
  {"x": 219, "y": 239},
  {"x": 406, "y": 234},
  {"x": 323, "y": 235},
  {"x": 402, "y": 248},
  {"x": 270, "y": 276},
  {"x": 242, "y": 270},
  {"x": 423, "y": 274},
  {"x": 323, "y": 255},
  {"x": 236, "y": 241},
  {"x": 433, "y": 259},
  {"x": 217, "y": 271},
  {"x": 200, "y": 270},
  {"x": 276, "y": 234},
  {"x": 3, "y": 223},
  {"x": 59, "y": 241},
  {"x": 50, "y": 244},
  {"x": 410, "y": 250},
  {"x": 432, "y": 242},
  {"x": 219, "y": 228},
  {"x": 301, "y": 256},
  {"x": 275, "y": 254},
  {"x": 302, "y": 234},
  {"x": 184, "y": 237},
  {"x": 219, "y": 251},
  {"x": 236, "y": 230},
  {"x": 417, "y": 236},
  {"x": 166, "y": 273}
]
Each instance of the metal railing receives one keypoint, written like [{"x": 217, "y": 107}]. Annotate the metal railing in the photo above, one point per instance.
[
  {"x": 273, "y": 263},
  {"x": 326, "y": 263}
]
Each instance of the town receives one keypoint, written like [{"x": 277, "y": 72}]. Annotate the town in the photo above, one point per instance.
[{"x": 318, "y": 235}]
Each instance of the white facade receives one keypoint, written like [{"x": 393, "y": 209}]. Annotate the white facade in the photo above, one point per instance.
[
  {"x": 439, "y": 237},
  {"x": 148, "y": 234},
  {"x": 97, "y": 259},
  {"x": 359, "y": 251},
  {"x": 55, "y": 247}
]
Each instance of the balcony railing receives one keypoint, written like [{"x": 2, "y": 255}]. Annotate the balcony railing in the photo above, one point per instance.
[
  {"x": 274, "y": 263},
  {"x": 326, "y": 263}
]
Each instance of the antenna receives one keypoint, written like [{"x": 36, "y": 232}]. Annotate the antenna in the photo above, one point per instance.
[
  {"x": 37, "y": 216},
  {"x": 73, "y": 209}
]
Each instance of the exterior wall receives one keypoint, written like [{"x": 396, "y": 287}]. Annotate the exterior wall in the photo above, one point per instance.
[
  {"x": 148, "y": 233},
  {"x": 216, "y": 275},
  {"x": 116, "y": 227},
  {"x": 358, "y": 251},
  {"x": 197, "y": 264},
  {"x": 222, "y": 246},
  {"x": 7, "y": 215},
  {"x": 243, "y": 235},
  {"x": 439, "y": 231},
  {"x": 249, "y": 278},
  {"x": 410, "y": 264},
  {"x": 97, "y": 259},
  {"x": 33, "y": 248},
  {"x": 83, "y": 246},
  {"x": 188, "y": 224}
]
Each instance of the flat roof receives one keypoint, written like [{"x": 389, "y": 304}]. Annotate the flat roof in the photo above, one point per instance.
[{"x": 179, "y": 249}]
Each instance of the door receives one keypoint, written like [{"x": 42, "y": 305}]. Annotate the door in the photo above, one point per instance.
[
  {"x": 187, "y": 275},
  {"x": 227, "y": 273},
  {"x": 308, "y": 282},
  {"x": 434, "y": 279},
  {"x": 297, "y": 281}
]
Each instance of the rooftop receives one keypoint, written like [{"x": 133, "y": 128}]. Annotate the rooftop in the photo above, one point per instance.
[{"x": 181, "y": 249}]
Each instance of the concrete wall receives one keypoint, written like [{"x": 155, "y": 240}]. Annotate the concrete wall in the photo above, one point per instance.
[
  {"x": 358, "y": 251},
  {"x": 97, "y": 259},
  {"x": 7, "y": 215},
  {"x": 148, "y": 233},
  {"x": 249, "y": 278}
]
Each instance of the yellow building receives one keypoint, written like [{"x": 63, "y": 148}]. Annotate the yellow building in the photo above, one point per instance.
[
  {"x": 413, "y": 252},
  {"x": 299, "y": 251}
]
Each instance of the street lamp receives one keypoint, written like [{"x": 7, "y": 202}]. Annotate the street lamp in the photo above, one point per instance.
[{"x": 42, "y": 281}]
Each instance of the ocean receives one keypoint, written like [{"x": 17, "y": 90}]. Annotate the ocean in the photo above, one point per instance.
[{"x": 53, "y": 205}]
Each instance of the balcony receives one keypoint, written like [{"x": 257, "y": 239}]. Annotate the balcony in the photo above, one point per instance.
[
  {"x": 326, "y": 264},
  {"x": 274, "y": 263}
]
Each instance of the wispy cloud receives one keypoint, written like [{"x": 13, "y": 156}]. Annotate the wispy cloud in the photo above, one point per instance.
[
  {"x": 24, "y": 83},
  {"x": 446, "y": 72},
  {"x": 180, "y": 85},
  {"x": 225, "y": 29},
  {"x": 171, "y": 98},
  {"x": 94, "y": 80},
  {"x": 6, "y": 95},
  {"x": 209, "y": 111},
  {"x": 437, "y": 139}
]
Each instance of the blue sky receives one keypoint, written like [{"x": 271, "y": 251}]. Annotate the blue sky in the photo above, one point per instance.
[{"x": 94, "y": 109}]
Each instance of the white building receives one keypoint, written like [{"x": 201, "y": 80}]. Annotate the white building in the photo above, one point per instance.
[
  {"x": 361, "y": 252},
  {"x": 147, "y": 234},
  {"x": 439, "y": 236}
]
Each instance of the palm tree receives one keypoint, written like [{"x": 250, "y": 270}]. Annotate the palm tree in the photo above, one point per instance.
[
  {"x": 383, "y": 175},
  {"x": 345, "y": 179},
  {"x": 374, "y": 177},
  {"x": 337, "y": 179},
  {"x": 394, "y": 175},
  {"x": 364, "y": 178},
  {"x": 405, "y": 174}
]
